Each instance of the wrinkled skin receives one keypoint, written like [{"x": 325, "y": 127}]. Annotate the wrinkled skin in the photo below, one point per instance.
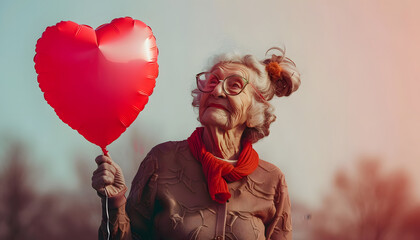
[{"x": 225, "y": 117}]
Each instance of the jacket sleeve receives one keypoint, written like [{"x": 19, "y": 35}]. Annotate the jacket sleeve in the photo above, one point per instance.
[
  {"x": 131, "y": 219},
  {"x": 280, "y": 228}
]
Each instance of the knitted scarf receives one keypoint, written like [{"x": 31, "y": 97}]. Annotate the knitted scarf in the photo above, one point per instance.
[{"x": 217, "y": 171}]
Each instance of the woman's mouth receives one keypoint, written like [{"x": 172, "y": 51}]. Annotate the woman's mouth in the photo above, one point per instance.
[{"x": 215, "y": 105}]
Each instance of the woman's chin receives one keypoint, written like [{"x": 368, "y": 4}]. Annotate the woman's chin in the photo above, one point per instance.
[{"x": 214, "y": 120}]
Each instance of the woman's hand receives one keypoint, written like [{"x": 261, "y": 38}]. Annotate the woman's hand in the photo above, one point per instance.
[{"x": 108, "y": 175}]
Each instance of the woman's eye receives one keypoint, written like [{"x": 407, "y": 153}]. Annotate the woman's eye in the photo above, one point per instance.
[
  {"x": 213, "y": 80},
  {"x": 235, "y": 84}
]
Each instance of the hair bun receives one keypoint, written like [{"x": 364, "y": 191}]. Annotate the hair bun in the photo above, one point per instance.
[
  {"x": 274, "y": 70},
  {"x": 282, "y": 73}
]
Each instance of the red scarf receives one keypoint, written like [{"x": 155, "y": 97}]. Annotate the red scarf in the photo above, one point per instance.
[{"x": 217, "y": 171}]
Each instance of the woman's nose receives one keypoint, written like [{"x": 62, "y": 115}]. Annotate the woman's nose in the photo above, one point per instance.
[{"x": 218, "y": 90}]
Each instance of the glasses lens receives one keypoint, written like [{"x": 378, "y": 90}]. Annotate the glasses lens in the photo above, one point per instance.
[
  {"x": 234, "y": 84},
  {"x": 207, "y": 81}
]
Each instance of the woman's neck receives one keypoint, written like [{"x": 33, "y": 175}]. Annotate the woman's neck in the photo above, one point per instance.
[{"x": 221, "y": 143}]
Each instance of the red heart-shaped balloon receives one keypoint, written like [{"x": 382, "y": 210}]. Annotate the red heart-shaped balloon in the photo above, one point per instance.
[{"x": 99, "y": 80}]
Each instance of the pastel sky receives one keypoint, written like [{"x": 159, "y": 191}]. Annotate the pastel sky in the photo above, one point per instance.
[{"x": 358, "y": 61}]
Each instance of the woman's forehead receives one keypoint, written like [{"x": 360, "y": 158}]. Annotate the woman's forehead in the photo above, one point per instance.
[{"x": 230, "y": 69}]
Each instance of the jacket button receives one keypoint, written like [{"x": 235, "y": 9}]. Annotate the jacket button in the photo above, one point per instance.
[{"x": 218, "y": 238}]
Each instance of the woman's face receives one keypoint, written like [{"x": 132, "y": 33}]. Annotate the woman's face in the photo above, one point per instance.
[{"x": 221, "y": 110}]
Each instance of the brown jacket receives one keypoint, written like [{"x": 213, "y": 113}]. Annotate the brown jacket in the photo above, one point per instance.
[{"x": 169, "y": 200}]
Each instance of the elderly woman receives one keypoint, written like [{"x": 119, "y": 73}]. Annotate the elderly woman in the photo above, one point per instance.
[{"x": 212, "y": 185}]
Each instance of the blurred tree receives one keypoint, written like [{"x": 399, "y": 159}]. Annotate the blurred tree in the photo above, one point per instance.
[
  {"x": 410, "y": 225},
  {"x": 365, "y": 205},
  {"x": 26, "y": 214},
  {"x": 16, "y": 195}
]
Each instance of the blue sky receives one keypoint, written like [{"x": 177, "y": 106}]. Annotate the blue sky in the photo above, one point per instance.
[{"x": 359, "y": 93}]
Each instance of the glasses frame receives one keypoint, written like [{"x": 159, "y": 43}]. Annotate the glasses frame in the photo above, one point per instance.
[{"x": 223, "y": 84}]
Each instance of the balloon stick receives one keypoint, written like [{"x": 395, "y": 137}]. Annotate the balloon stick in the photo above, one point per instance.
[{"x": 107, "y": 214}]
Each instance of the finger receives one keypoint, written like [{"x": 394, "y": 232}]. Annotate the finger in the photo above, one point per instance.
[
  {"x": 97, "y": 186},
  {"x": 98, "y": 182},
  {"x": 103, "y": 174},
  {"x": 108, "y": 180},
  {"x": 108, "y": 168},
  {"x": 103, "y": 159},
  {"x": 105, "y": 166}
]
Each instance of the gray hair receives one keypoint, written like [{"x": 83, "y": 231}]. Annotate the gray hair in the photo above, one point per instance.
[{"x": 261, "y": 113}]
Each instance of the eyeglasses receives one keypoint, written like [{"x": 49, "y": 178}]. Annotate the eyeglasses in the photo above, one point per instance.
[{"x": 231, "y": 85}]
